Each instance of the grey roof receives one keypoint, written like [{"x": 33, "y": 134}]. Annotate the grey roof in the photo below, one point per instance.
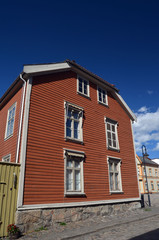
[{"x": 148, "y": 161}]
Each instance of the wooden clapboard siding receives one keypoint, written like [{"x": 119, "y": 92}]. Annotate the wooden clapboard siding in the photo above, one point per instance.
[
  {"x": 9, "y": 146},
  {"x": 44, "y": 175}
]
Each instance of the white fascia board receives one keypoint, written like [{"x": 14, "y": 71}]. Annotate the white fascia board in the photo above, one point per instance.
[
  {"x": 30, "y": 69},
  {"x": 133, "y": 116},
  {"x": 76, "y": 204}
]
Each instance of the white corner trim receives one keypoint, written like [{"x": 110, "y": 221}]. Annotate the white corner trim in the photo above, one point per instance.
[
  {"x": 75, "y": 204},
  {"x": 45, "y": 67},
  {"x": 126, "y": 107},
  {"x": 24, "y": 143},
  {"x": 135, "y": 157}
]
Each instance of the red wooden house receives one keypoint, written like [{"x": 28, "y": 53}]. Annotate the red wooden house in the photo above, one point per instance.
[{"x": 71, "y": 132}]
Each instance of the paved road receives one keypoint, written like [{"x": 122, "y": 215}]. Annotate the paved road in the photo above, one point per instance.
[{"x": 135, "y": 225}]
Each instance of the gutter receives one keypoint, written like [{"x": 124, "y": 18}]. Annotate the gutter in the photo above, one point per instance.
[{"x": 21, "y": 117}]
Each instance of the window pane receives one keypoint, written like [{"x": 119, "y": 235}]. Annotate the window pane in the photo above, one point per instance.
[
  {"x": 76, "y": 134},
  {"x": 109, "y": 135},
  {"x": 114, "y": 137},
  {"x": 69, "y": 113},
  {"x": 68, "y": 128},
  {"x": 80, "y": 85},
  {"x": 109, "y": 142},
  {"x": 114, "y": 144},
  {"x": 110, "y": 166},
  {"x": 113, "y": 128},
  {"x": 69, "y": 163},
  {"x": 116, "y": 181},
  {"x": 69, "y": 180},
  {"x": 100, "y": 97},
  {"x": 77, "y": 164},
  {"x": 77, "y": 180},
  {"x": 111, "y": 181},
  {"x": 104, "y": 99},
  {"x": 85, "y": 87},
  {"x": 115, "y": 167},
  {"x": 75, "y": 114},
  {"x": 108, "y": 126}
]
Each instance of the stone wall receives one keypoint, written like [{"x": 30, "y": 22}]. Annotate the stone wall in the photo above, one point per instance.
[{"x": 29, "y": 220}]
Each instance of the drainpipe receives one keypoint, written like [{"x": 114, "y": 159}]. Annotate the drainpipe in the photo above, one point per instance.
[{"x": 21, "y": 118}]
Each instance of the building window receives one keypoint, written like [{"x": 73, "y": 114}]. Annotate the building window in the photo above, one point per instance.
[
  {"x": 102, "y": 96},
  {"x": 83, "y": 86},
  {"x": 114, "y": 175},
  {"x": 73, "y": 119},
  {"x": 74, "y": 183},
  {"x": 146, "y": 186},
  {"x": 158, "y": 186},
  {"x": 152, "y": 185},
  {"x": 149, "y": 171},
  {"x": 144, "y": 170},
  {"x": 156, "y": 173},
  {"x": 6, "y": 158},
  {"x": 138, "y": 171},
  {"x": 10, "y": 121},
  {"x": 111, "y": 134}
]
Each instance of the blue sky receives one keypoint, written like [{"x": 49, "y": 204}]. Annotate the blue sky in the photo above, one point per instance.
[{"x": 117, "y": 40}]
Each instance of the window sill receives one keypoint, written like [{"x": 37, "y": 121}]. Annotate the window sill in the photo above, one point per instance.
[
  {"x": 114, "y": 149},
  {"x": 106, "y": 105},
  {"x": 83, "y": 95},
  {"x": 5, "y": 139},
  {"x": 73, "y": 140},
  {"x": 116, "y": 192},
  {"x": 72, "y": 194}
]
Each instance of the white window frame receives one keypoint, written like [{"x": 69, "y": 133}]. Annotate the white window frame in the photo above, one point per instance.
[
  {"x": 115, "y": 124},
  {"x": 78, "y": 156},
  {"x": 9, "y": 110},
  {"x": 67, "y": 106},
  {"x": 82, "y": 92},
  {"x": 6, "y": 158},
  {"x": 118, "y": 161},
  {"x": 106, "y": 97}
]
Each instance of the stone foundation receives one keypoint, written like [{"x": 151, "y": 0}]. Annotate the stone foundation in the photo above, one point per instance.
[{"x": 29, "y": 220}]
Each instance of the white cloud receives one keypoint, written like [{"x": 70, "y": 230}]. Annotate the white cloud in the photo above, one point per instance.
[
  {"x": 157, "y": 147},
  {"x": 146, "y": 130},
  {"x": 150, "y": 92},
  {"x": 143, "y": 109}
]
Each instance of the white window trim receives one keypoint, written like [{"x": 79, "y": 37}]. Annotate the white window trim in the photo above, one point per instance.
[
  {"x": 109, "y": 158},
  {"x": 116, "y": 133},
  {"x": 106, "y": 96},
  {"x": 5, "y": 157},
  {"x": 77, "y": 108},
  {"x": 7, "y": 137},
  {"x": 82, "y": 93},
  {"x": 77, "y": 154}
]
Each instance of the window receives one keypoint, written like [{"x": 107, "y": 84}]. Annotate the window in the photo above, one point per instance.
[
  {"x": 83, "y": 86},
  {"x": 6, "y": 158},
  {"x": 152, "y": 185},
  {"x": 156, "y": 173},
  {"x": 138, "y": 171},
  {"x": 111, "y": 134},
  {"x": 74, "y": 183},
  {"x": 114, "y": 175},
  {"x": 144, "y": 170},
  {"x": 10, "y": 121},
  {"x": 146, "y": 186},
  {"x": 150, "y": 171},
  {"x": 157, "y": 185},
  {"x": 73, "y": 118},
  {"x": 102, "y": 96}
]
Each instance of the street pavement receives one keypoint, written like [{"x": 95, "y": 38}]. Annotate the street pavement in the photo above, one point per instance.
[{"x": 135, "y": 224}]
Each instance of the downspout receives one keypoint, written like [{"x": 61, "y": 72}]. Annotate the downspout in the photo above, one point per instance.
[{"x": 21, "y": 118}]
